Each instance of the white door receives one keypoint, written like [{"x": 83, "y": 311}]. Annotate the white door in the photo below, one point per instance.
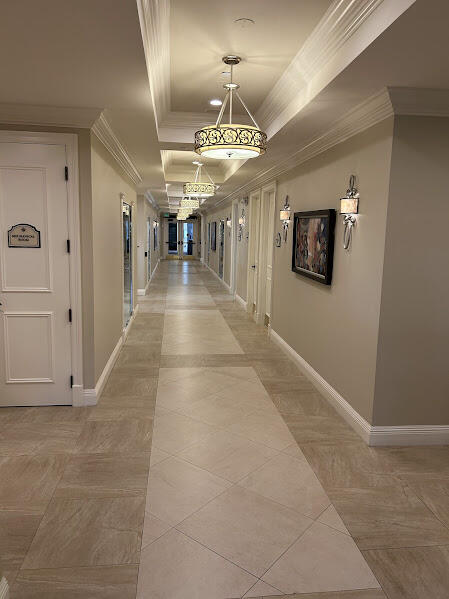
[
  {"x": 253, "y": 251},
  {"x": 35, "y": 329}
]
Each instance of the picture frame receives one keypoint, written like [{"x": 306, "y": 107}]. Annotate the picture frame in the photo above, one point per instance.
[
  {"x": 213, "y": 236},
  {"x": 313, "y": 244}
]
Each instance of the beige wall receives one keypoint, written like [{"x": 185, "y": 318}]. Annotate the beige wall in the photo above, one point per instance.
[
  {"x": 146, "y": 212},
  {"x": 334, "y": 328},
  {"x": 412, "y": 380},
  {"x": 108, "y": 182}
]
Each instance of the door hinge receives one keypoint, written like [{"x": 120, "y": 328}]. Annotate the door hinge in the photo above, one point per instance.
[
  {"x": 71, "y": 380},
  {"x": 70, "y": 314},
  {"x": 68, "y": 246},
  {"x": 66, "y": 173}
]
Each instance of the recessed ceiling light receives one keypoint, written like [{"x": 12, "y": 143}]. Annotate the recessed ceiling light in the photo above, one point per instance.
[
  {"x": 215, "y": 102},
  {"x": 244, "y": 22}
]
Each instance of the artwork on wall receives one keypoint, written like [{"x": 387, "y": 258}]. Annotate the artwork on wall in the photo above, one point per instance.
[
  {"x": 313, "y": 244},
  {"x": 213, "y": 236},
  {"x": 155, "y": 240}
]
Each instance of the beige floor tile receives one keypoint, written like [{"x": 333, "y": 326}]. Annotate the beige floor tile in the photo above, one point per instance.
[
  {"x": 88, "y": 532},
  {"x": 358, "y": 594},
  {"x": 48, "y": 414},
  {"x": 153, "y": 528},
  {"x": 175, "y": 432},
  {"x": 100, "y": 475},
  {"x": 107, "y": 582},
  {"x": 331, "y": 518},
  {"x": 157, "y": 455},
  {"x": 245, "y": 528},
  {"x": 17, "y": 530},
  {"x": 294, "y": 451},
  {"x": 266, "y": 428},
  {"x": 434, "y": 494},
  {"x": 290, "y": 482},
  {"x": 262, "y": 589},
  {"x": 347, "y": 465},
  {"x": 321, "y": 560},
  {"x": 388, "y": 517},
  {"x": 229, "y": 456},
  {"x": 125, "y": 436},
  {"x": 217, "y": 410},
  {"x": 108, "y": 411},
  {"x": 412, "y": 573},
  {"x": 176, "y": 489},
  {"x": 28, "y": 482},
  {"x": 320, "y": 429},
  {"x": 130, "y": 384},
  {"x": 176, "y": 567},
  {"x": 39, "y": 438},
  {"x": 422, "y": 461}
]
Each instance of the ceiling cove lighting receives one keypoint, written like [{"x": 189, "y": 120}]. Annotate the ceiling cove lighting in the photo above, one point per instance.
[
  {"x": 230, "y": 140},
  {"x": 198, "y": 188}
]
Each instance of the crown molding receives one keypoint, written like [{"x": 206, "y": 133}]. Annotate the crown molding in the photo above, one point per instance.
[
  {"x": 154, "y": 18},
  {"x": 103, "y": 130},
  {"x": 148, "y": 196},
  {"x": 419, "y": 101},
  {"x": 389, "y": 102},
  {"x": 54, "y": 116},
  {"x": 370, "y": 112},
  {"x": 345, "y": 30}
]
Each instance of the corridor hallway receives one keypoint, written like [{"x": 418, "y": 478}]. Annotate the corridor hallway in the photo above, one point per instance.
[{"x": 212, "y": 469}]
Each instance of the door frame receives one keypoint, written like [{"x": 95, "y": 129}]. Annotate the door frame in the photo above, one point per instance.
[
  {"x": 234, "y": 226},
  {"x": 266, "y": 249},
  {"x": 132, "y": 205},
  {"x": 70, "y": 141},
  {"x": 253, "y": 248}
]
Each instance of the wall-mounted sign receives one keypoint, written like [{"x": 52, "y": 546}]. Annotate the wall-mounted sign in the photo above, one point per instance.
[{"x": 24, "y": 236}]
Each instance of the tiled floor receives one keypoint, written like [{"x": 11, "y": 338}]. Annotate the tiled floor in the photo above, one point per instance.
[{"x": 212, "y": 469}]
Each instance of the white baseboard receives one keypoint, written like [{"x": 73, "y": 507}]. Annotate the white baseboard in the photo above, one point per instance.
[
  {"x": 240, "y": 300},
  {"x": 372, "y": 435},
  {"x": 4, "y": 589},
  {"x": 144, "y": 291},
  {"x": 228, "y": 287},
  {"x": 91, "y": 396}
]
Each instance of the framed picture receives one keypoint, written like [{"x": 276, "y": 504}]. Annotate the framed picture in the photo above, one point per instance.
[
  {"x": 213, "y": 236},
  {"x": 155, "y": 228},
  {"x": 313, "y": 244}
]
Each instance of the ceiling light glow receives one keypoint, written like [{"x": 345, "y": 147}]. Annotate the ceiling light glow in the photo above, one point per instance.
[{"x": 215, "y": 102}]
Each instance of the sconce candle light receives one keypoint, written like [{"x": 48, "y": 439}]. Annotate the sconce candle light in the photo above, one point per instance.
[
  {"x": 349, "y": 206},
  {"x": 284, "y": 216}
]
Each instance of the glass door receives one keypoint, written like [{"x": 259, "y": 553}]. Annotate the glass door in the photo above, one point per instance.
[
  {"x": 187, "y": 240},
  {"x": 172, "y": 238},
  {"x": 127, "y": 263}
]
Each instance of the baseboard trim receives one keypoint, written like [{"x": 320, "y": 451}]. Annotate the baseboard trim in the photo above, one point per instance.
[
  {"x": 141, "y": 292},
  {"x": 91, "y": 396},
  {"x": 372, "y": 435},
  {"x": 4, "y": 589},
  {"x": 241, "y": 301},
  {"x": 228, "y": 287}
]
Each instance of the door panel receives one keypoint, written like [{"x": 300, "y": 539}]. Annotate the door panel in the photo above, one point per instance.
[{"x": 35, "y": 335}]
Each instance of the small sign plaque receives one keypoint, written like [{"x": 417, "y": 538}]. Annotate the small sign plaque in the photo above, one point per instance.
[{"x": 24, "y": 236}]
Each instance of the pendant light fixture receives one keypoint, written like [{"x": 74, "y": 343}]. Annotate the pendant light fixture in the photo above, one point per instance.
[
  {"x": 228, "y": 140},
  {"x": 197, "y": 187},
  {"x": 190, "y": 203}
]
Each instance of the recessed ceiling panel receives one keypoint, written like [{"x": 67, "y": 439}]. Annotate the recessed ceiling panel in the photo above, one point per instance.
[{"x": 202, "y": 31}]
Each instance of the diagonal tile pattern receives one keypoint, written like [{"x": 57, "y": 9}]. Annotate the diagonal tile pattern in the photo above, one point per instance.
[{"x": 212, "y": 469}]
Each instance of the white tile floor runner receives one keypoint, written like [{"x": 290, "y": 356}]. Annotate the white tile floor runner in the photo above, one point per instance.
[{"x": 233, "y": 508}]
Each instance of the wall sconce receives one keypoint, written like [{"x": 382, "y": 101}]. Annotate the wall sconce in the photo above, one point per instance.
[
  {"x": 242, "y": 222},
  {"x": 228, "y": 222},
  {"x": 284, "y": 216},
  {"x": 349, "y": 206}
]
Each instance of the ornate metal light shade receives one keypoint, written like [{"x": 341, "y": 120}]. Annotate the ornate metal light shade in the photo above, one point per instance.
[
  {"x": 229, "y": 140},
  {"x": 200, "y": 190},
  {"x": 189, "y": 203}
]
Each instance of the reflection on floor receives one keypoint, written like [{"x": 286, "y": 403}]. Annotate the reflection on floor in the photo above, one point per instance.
[{"x": 256, "y": 487}]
